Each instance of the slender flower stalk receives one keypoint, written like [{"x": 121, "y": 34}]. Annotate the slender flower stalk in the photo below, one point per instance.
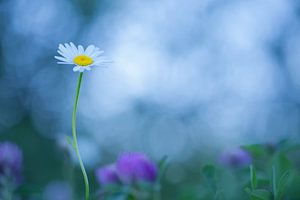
[
  {"x": 84, "y": 60},
  {"x": 75, "y": 144}
]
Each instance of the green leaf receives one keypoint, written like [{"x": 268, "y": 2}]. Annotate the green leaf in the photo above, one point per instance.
[
  {"x": 162, "y": 162},
  {"x": 209, "y": 171},
  {"x": 283, "y": 179},
  {"x": 274, "y": 182},
  {"x": 263, "y": 182},
  {"x": 253, "y": 177},
  {"x": 162, "y": 167},
  {"x": 247, "y": 190},
  {"x": 28, "y": 189},
  {"x": 281, "y": 163},
  {"x": 291, "y": 148},
  {"x": 261, "y": 194},
  {"x": 256, "y": 150},
  {"x": 282, "y": 183},
  {"x": 258, "y": 194},
  {"x": 70, "y": 141}
]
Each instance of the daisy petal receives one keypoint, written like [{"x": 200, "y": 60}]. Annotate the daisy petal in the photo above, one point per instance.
[
  {"x": 65, "y": 51},
  {"x": 61, "y": 58},
  {"x": 70, "y": 50},
  {"x": 76, "y": 68},
  {"x": 64, "y": 63},
  {"x": 88, "y": 68},
  {"x": 80, "y": 49},
  {"x": 75, "y": 50},
  {"x": 61, "y": 53},
  {"x": 102, "y": 60},
  {"x": 89, "y": 50},
  {"x": 64, "y": 55},
  {"x": 81, "y": 69},
  {"x": 96, "y": 53},
  {"x": 62, "y": 48}
]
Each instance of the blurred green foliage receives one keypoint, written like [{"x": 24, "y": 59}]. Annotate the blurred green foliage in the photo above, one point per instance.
[{"x": 274, "y": 173}]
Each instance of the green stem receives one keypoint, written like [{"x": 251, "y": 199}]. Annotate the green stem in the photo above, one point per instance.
[
  {"x": 85, "y": 177},
  {"x": 274, "y": 182}
]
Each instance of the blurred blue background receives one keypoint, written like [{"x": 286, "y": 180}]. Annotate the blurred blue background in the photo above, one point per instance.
[{"x": 189, "y": 78}]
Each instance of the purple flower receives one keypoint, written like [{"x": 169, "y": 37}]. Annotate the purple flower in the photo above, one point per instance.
[
  {"x": 136, "y": 167},
  {"x": 11, "y": 160},
  {"x": 236, "y": 158},
  {"x": 107, "y": 175}
]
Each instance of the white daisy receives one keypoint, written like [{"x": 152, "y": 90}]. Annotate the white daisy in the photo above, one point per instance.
[{"x": 82, "y": 59}]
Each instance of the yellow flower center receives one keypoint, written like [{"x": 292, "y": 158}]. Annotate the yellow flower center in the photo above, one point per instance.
[{"x": 83, "y": 60}]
